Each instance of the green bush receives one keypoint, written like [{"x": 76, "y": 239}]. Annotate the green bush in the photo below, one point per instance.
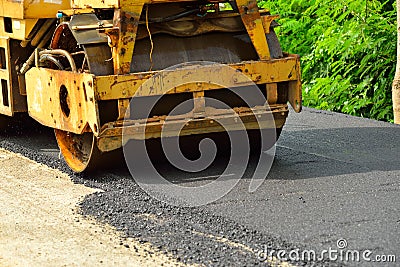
[{"x": 348, "y": 51}]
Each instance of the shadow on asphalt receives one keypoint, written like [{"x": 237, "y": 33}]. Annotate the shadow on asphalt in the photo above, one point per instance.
[
  {"x": 300, "y": 154},
  {"x": 307, "y": 154}
]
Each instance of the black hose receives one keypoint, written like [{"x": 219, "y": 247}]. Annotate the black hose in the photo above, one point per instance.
[{"x": 47, "y": 57}]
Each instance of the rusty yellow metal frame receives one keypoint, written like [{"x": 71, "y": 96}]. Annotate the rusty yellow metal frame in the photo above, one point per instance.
[
  {"x": 295, "y": 93},
  {"x": 21, "y": 28},
  {"x": 111, "y": 138},
  {"x": 126, "y": 21},
  {"x": 267, "y": 20},
  {"x": 260, "y": 72},
  {"x": 251, "y": 18},
  {"x": 43, "y": 96},
  {"x": 85, "y": 90},
  {"x": 5, "y": 78},
  {"x": 117, "y": 3}
]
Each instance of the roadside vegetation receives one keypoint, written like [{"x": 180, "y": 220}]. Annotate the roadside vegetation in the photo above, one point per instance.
[{"x": 348, "y": 50}]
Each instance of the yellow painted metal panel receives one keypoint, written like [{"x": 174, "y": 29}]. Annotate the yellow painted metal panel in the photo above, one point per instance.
[
  {"x": 295, "y": 93},
  {"x": 254, "y": 24},
  {"x": 5, "y": 80},
  {"x": 25, "y": 9},
  {"x": 111, "y": 136},
  {"x": 117, "y": 3},
  {"x": 260, "y": 72},
  {"x": 20, "y": 28},
  {"x": 84, "y": 90},
  {"x": 46, "y": 98}
]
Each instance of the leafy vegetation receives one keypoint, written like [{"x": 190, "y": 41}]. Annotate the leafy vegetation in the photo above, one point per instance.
[{"x": 348, "y": 50}]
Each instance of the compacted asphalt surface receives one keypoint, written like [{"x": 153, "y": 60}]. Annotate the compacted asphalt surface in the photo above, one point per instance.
[{"x": 333, "y": 191}]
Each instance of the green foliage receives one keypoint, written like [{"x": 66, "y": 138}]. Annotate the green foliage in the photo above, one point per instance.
[{"x": 348, "y": 51}]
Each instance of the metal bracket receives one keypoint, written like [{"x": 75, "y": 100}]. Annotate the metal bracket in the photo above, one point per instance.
[{"x": 251, "y": 18}]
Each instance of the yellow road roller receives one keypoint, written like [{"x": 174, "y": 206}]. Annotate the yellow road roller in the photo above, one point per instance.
[{"x": 80, "y": 66}]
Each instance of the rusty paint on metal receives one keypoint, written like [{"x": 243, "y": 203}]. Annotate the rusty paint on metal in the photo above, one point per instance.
[
  {"x": 295, "y": 93},
  {"x": 126, "y": 20},
  {"x": 117, "y": 3},
  {"x": 267, "y": 20},
  {"x": 199, "y": 102},
  {"x": 260, "y": 72},
  {"x": 123, "y": 109},
  {"x": 27, "y": 9},
  {"x": 256, "y": 118},
  {"x": 68, "y": 102},
  {"x": 68, "y": 109},
  {"x": 251, "y": 18},
  {"x": 272, "y": 93}
]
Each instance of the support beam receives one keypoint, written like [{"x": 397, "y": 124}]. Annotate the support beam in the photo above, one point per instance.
[{"x": 251, "y": 18}]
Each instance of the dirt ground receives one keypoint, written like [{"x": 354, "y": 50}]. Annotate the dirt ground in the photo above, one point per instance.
[{"x": 40, "y": 224}]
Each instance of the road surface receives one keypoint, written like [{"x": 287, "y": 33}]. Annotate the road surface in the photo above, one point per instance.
[{"x": 333, "y": 190}]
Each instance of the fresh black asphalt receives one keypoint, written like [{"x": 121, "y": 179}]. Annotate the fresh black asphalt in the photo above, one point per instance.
[{"x": 334, "y": 177}]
